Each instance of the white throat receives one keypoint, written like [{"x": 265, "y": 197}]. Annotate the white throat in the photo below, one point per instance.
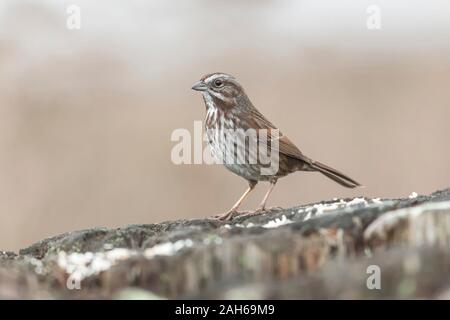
[{"x": 208, "y": 101}]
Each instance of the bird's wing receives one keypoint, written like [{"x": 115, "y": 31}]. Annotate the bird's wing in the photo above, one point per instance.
[{"x": 285, "y": 146}]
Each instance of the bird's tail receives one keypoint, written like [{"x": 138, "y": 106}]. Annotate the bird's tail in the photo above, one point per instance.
[{"x": 335, "y": 175}]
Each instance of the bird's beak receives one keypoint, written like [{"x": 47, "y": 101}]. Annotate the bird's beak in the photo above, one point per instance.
[{"x": 199, "y": 86}]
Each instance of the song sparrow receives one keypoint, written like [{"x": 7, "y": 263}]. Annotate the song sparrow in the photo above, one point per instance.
[{"x": 229, "y": 113}]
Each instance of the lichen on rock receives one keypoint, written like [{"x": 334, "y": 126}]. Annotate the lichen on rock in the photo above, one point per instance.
[{"x": 319, "y": 250}]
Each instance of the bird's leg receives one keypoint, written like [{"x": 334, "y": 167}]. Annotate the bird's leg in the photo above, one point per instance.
[
  {"x": 262, "y": 206},
  {"x": 233, "y": 211}
]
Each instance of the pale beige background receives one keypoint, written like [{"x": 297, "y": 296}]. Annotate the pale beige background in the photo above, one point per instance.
[{"x": 86, "y": 116}]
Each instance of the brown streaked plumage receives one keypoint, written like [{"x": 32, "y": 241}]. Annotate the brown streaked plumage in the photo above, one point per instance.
[{"x": 229, "y": 114}]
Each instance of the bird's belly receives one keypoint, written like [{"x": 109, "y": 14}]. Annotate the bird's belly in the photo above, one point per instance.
[
  {"x": 248, "y": 171},
  {"x": 233, "y": 154},
  {"x": 233, "y": 159}
]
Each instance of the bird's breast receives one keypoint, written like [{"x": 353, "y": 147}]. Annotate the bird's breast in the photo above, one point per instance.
[{"x": 211, "y": 117}]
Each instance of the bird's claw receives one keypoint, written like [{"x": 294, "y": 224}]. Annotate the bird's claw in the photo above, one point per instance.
[
  {"x": 228, "y": 216},
  {"x": 273, "y": 209},
  {"x": 260, "y": 210}
]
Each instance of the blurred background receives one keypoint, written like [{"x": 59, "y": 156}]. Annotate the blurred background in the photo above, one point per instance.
[{"x": 86, "y": 115}]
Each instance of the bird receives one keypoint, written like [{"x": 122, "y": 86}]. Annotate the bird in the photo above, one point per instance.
[{"x": 229, "y": 116}]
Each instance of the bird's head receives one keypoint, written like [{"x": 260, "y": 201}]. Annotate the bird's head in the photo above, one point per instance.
[{"x": 220, "y": 88}]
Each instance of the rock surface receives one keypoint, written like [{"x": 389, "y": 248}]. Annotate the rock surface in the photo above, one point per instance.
[{"x": 333, "y": 249}]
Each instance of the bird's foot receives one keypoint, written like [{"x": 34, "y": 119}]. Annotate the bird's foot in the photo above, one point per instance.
[
  {"x": 273, "y": 209},
  {"x": 260, "y": 210},
  {"x": 229, "y": 215},
  {"x": 256, "y": 212}
]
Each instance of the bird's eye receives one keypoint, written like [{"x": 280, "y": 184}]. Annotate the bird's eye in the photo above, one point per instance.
[{"x": 218, "y": 83}]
